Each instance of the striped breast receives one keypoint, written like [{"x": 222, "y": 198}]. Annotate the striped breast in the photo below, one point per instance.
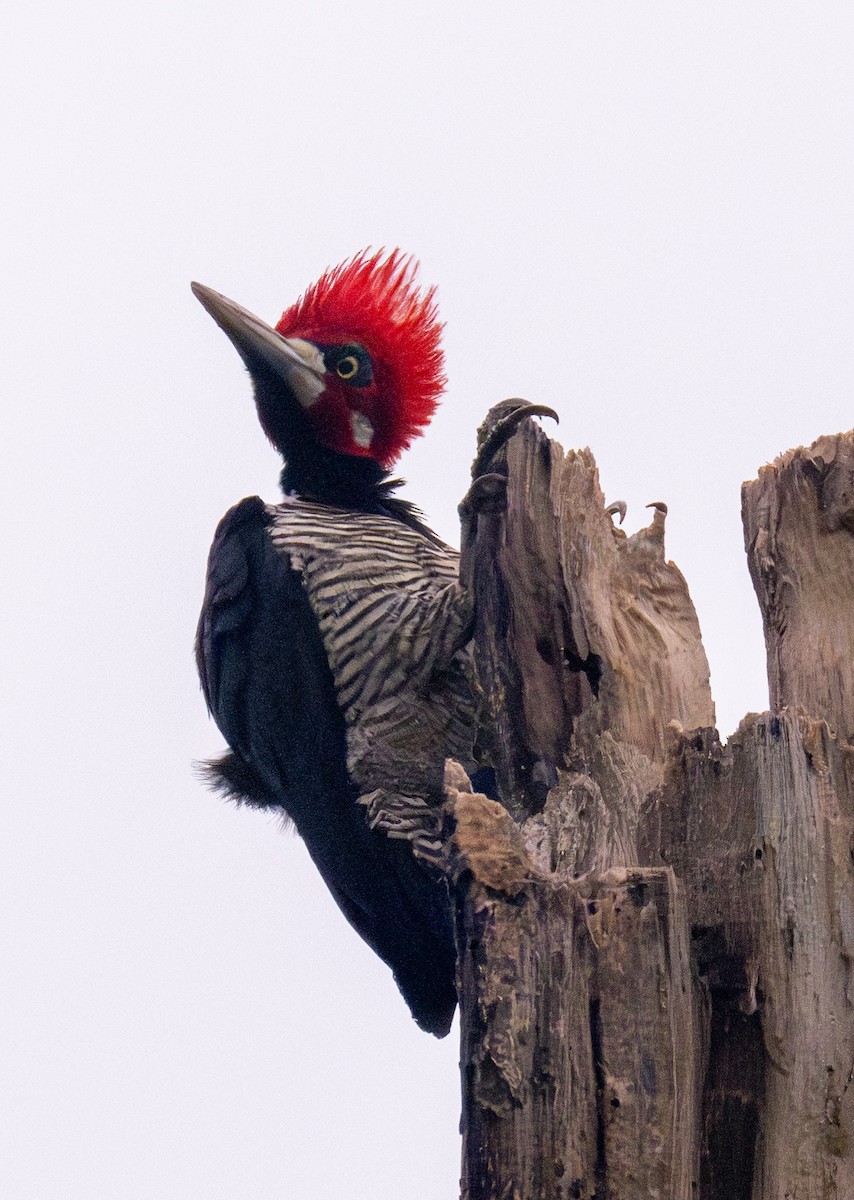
[{"x": 395, "y": 624}]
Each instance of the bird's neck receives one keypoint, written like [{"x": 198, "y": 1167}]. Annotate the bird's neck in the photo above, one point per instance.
[
  {"x": 344, "y": 480},
  {"x": 311, "y": 470}
]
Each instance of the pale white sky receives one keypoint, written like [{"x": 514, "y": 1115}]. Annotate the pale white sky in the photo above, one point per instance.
[{"x": 638, "y": 213}]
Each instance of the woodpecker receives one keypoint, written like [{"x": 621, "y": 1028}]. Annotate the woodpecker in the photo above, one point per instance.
[{"x": 332, "y": 645}]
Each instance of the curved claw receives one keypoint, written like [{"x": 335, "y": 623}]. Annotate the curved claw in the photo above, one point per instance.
[
  {"x": 505, "y": 429},
  {"x": 659, "y": 506},
  {"x": 617, "y": 508}
]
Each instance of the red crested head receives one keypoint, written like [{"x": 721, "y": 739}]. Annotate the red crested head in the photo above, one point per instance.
[{"x": 380, "y": 341}]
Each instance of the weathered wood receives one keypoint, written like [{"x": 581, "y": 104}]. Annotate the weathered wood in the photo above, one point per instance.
[
  {"x": 655, "y": 959},
  {"x": 527, "y": 1063},
  {"x": 760, "y": 832},
  {"x": 798, "y": 525},
  {"x": 560, "y": 1093}
]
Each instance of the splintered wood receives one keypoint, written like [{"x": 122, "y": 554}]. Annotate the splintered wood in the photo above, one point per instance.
[{"x": 656, "y": 931}]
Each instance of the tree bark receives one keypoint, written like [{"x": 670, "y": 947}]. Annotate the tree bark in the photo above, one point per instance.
[{"x": 655, "y": 931}]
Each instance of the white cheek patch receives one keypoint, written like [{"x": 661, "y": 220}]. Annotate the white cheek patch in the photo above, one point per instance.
[{"x": 363, "y": 430}]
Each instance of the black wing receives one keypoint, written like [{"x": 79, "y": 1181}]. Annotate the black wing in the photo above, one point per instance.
[{"x": 268, "y": 686}]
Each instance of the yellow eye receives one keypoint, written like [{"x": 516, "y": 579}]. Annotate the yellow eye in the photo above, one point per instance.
[{"x": 348, "y": 367}]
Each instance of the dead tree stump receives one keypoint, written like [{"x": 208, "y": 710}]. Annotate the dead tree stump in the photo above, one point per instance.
[{"x": 656, "y": 931}]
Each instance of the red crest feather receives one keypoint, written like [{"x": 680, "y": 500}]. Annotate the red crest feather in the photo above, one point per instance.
[{"x": 373, "y": 300}]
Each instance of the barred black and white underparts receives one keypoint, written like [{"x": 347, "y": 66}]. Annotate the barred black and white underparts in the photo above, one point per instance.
[{"x": 395, "y": 623}]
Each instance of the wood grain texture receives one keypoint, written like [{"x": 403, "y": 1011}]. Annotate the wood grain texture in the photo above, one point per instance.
[
  {"x": 799, "y": 534},
  {"x": 656, "y": 931}
]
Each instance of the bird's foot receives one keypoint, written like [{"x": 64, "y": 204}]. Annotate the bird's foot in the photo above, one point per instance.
[
  {"x": 501, "y": 423},
  {"x": 487, "y": 495},
  {"x": 483, "y": 506},
  {"x": 488, "y": 492}
]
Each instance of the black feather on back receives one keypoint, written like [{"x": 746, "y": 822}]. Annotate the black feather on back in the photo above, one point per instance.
[{"x": 268, "y": 685}]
